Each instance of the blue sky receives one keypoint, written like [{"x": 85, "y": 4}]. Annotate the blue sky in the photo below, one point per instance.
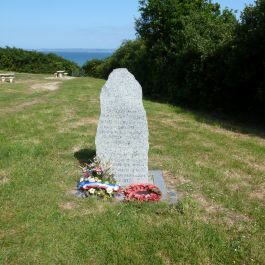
[{"x": 36, "y": 24}]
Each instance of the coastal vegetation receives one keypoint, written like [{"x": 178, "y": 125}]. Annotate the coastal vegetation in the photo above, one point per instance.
[
  {"x": 19, "y": 60},
  {"x": 192, "y": 53}
]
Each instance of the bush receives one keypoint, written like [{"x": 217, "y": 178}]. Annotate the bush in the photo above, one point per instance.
[
  {"x": 19, "y": 60},
  {"x": 90, "y": 68}
]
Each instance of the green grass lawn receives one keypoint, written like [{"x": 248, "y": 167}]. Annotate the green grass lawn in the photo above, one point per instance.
[{"x": 218, "y": 168}]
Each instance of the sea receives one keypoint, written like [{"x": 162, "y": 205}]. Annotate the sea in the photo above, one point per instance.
[{"x": 80, "y": 56}]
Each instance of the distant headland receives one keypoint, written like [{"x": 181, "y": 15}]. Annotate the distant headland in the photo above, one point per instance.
[
  {"x": 73, "y": 50},
  {"x": 79, "y": 55}
]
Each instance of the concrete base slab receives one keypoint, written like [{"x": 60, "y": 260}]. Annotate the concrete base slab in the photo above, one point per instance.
[{"x": 168, "y": 193}]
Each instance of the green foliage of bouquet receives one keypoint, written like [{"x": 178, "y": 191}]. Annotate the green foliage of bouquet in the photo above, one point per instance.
[{"x": 98, "y": 180}]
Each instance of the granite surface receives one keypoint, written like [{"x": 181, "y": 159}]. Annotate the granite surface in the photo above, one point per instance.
[{"x": 122, "y": 133}]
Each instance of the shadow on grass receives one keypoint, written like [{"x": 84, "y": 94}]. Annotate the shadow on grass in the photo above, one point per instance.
[
  {"x": 85, "y": 155},
  {"x": 239, "y": 123},
  {"x": 245, "y": 123}
]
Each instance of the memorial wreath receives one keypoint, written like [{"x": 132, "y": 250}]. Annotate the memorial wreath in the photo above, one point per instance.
[{"x": 142, "y": 192}]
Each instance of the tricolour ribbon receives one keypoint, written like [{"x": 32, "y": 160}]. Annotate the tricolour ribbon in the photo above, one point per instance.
[{"x": 86, "y": 185}]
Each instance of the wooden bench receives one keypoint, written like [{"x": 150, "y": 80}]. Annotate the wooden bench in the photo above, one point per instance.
[{"x": 7, "y": 77}]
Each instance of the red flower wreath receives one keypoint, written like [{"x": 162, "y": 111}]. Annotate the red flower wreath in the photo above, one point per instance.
[{"x": 142, "y": 192}]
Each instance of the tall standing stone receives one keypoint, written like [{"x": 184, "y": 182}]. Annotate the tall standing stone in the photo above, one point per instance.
[{"x": 122, "y": 133}]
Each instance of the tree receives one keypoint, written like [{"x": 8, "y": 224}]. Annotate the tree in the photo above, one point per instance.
[
  {"x": 90, "y": 68},
  {"x": 179, "y": 35},
  {"x": 250, "y": 43}
]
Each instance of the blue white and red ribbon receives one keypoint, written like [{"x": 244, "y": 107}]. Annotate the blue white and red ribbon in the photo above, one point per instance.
[{"x": 86, "y": 185}]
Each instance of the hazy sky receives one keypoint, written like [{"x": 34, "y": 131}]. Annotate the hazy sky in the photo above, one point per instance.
[{"x": 35, "y": 24}]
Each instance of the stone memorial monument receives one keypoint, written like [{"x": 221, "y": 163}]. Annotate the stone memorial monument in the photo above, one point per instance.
[{"x": 122, "y": 133}]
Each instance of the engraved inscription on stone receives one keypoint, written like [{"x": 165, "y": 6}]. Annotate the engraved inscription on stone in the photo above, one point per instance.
[{"x": 122, "y": 133}]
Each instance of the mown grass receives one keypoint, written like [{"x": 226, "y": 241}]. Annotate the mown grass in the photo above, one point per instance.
[{"x": 220, "y": 173}]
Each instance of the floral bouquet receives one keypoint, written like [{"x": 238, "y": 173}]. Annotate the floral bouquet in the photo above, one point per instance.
[{"x": 97, "y": 180}]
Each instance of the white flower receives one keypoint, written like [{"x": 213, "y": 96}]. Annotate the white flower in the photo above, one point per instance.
[
  {"x": 92, "y": 191},
  {"x": 116, "y": 188},
  {"x": 109, "y": 190},
  {"x": 82, "y": 179},
  {"x": 96, "y": 179},
  {"x": 91, "y": 179},
  {"x": 99, "y": 180}
]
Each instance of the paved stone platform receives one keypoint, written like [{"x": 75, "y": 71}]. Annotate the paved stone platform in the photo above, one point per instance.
[{"x": 168, "y": 193}]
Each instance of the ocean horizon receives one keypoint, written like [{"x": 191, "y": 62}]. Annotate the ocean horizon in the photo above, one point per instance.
[{"x": 80, "y": 56}]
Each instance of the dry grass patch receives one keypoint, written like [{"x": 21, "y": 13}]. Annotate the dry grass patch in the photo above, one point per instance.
[
  {"x": 20, "y": 107},
  {"x": 208, "y": 206},
  {"x": 47, "y": 111},
  {"x": 175, "y": 181},
  {"x": 207, "y": 161},
  {"x": 232, "y": 218},
  {"x": 156, "y": 161},
  {"x": 75, "y": 209},
  {"x": 235, "y": 187},
  {"x": 259, "y": 193},
  {"x": 73, "y": 149},
  {"x": 64, "y": 78},
  {"x": 165, "y": 259},
  {"x": 70, "y": 125},
  {"x": 237, "y": 175},
  {"x": 170, "y": 116},
  {"x": 84, "y": 122},
  {"x": 13, "y": 91},
  {"x": 76, "y": 148},
  {"x": 68, "y": 206},
  {"x": 85, "y": 99},
  {"x": 216, "y": 213},
  {"x": 170, "y": 120},
  {"x": 97, "y": 208},
  {"x": 46, "y": 86},
  {"x": 23, "y": 81},
  {"x": 8, "y": 233},
  {"x": 232, "y": 134},
  {"x": 3, "y": 177},
  {"x": 33, "y": 141},
  {"x": 68, "y": 113},
  {"x": 236, "y": 179},
  {"x": 177, "y": 124},
  {"x": 250, "y": 161},
  {"x": 208, "y": 144},
  {"x": 195, "y": 137},
  {"x": 4, "y": 180}
]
